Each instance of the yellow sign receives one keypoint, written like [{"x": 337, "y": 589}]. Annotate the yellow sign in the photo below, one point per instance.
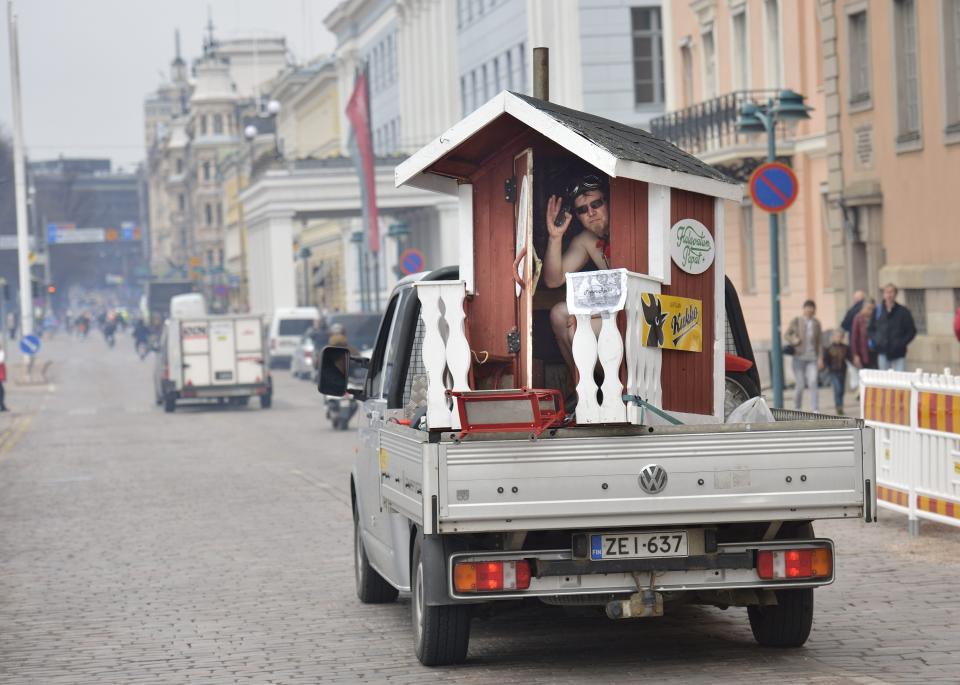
[
  {"x": 383, "y": 460},
  {"x": 672, "y": 323}
]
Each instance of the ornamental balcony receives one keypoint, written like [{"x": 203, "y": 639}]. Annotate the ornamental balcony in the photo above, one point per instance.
[{"x": 708, "y": 130}]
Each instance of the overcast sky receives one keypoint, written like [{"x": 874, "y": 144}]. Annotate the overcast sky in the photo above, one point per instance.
[{"x": 86, "y": 65}]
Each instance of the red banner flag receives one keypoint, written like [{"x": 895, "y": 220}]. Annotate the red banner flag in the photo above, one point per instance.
[{"x": 358, "y": 112}]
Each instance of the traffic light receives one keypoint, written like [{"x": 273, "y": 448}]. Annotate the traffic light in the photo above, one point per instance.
[{"x": 51, "y": 289}]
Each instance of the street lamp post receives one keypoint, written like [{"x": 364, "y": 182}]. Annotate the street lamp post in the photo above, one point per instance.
[
  {"x": 759, "y": 118},
  {"x": 305, "y": 254},
  {"x": 357, "y": 239},
  {"x": 399, "y": 232}
]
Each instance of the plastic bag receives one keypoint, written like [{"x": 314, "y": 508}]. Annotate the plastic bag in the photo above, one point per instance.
[
  {"x": 754, "y": 410},
  {"x": 853, "y": 377}
]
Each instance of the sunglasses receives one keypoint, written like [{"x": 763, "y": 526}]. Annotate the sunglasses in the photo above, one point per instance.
[{"x": 596, "y": 204}]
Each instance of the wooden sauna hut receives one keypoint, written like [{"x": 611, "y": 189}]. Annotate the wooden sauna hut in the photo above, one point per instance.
[{"x": 664, "y": 266}]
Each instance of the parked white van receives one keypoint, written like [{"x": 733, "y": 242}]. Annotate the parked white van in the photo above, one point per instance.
[{"x": 286, "y": 329}]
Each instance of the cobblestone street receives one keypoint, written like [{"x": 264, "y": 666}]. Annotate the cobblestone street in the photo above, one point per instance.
[{"x": 213, "y": 545}]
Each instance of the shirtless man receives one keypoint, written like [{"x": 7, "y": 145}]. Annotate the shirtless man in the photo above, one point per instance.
[{"x": 589, "y": 196}]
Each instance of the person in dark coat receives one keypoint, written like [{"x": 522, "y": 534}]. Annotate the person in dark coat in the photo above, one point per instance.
[
  {"x": 848, "y": 318},
  {"x": 892, "y": 331}
]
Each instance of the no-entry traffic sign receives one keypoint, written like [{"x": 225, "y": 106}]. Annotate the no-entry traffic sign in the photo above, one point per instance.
[
  {"x": 30, "y": 344},
  {"x": 411, "y": 261},
  {"x": 773, "y": 187}
]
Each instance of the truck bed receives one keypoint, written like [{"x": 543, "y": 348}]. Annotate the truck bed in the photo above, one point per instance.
[{"x": 806, "y": 468}]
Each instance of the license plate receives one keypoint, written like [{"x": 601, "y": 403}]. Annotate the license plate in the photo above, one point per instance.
[
  {"x": 670, "y": 543},
  {"x": 223, "y": 375}
]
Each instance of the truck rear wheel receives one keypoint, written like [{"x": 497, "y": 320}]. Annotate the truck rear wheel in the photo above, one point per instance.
[
  {"x": 441, "y": 633},
  {"x": 788, "y": 623},
  {"x": 371, "y": 587}
]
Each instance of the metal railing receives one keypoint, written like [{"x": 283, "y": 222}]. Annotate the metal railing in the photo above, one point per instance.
[
  {"x": 916, "y": 421},
  {"x": 710, "y": 125}
]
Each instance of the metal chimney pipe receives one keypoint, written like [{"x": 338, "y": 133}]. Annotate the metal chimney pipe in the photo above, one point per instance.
[{"x": 541, "y": 73}]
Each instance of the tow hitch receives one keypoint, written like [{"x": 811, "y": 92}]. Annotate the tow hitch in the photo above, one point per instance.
[{"x": 645, "y": 603}]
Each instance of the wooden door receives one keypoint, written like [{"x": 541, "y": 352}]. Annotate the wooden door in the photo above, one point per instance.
[{"x": 523, "y": 236}]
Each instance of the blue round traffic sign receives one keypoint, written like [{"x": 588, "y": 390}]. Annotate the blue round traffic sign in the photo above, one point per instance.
[
  {"x": 774, "y": 187},
  {"x": 411, "y": 261},
  {"x": 30, "y": 344}
]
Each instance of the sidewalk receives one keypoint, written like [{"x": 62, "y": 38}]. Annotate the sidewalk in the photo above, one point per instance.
[{"x": 851, "y": 400}]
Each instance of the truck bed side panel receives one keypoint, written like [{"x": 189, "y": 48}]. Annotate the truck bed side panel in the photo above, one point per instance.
[{"x": 733, "y": 476}]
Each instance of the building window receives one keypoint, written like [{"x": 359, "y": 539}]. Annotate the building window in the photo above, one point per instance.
[
  {"x": 486, "y": 81},
  {"x": 219, "y": 215},
  {"x": 859, "y": 46},
  {"x": 473, "y": 90},
  {"x": 179, "y": 165},
  {"x": 908, "y": 77},
  {"x": 220, "y": 257},
  {"x": 648, "y": 86},
  {"x": 181, "y": 202},
  {"x": 917, "y": 304},
  {"x": 774, "y": 46},
  {"x": 741, "y": 73},
  {"x": 951, "y": 66},
  {"x": 496, "y": 75},
  {"x": 218, "y": 123},
  {"x": 748, "y": 249},
  {"x": 709, "y": 65},
  {"x": 203, "y": 124},
  {"x": 208, "y": 214},
  {"x": 509, "y": 70},
  {"x": 686, "y": 62},
  {"x": 463, "y": 96},
  {"x": 206, "y": 171}
]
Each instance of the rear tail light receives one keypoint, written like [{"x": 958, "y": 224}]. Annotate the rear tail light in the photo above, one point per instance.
[
  {"x": 491, "y": 576},
  {"x": 790, "y": 564}
]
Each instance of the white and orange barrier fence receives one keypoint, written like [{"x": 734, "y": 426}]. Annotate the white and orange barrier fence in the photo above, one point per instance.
[{"x": 916, "y": 417}]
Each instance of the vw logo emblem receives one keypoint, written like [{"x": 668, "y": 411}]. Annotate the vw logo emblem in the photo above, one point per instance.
[{"x": 653, "y": 478}]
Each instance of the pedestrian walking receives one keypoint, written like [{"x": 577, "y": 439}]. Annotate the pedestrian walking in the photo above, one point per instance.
[
  {"x": 12, "y": 324},
  {"x": 835, "y": 359},
  {"x": 804, "y": 335},
  {"x": 3, "y": 376},
  {"x": 859, "y": 297},
  {"x": 861, "y": 347},
  {"x": 892, "y": 331}
]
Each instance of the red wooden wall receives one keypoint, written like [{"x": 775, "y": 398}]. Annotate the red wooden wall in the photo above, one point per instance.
[{"x": 687, "y": 377}]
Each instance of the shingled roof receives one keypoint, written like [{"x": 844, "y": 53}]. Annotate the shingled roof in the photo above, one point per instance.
[
  {"x": 615, "y": 149},
  {"x": 625, "y": 142}
]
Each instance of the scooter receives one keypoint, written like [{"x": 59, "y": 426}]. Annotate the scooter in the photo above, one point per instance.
[{"x": 340, "y": 410}]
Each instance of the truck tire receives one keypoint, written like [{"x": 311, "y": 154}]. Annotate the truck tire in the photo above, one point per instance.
[
  {"x": 788, "y": 623},
  {"x": 739, "y": 388},
  {"x": 441, "y": 633},
  {"x": 266, "y": 400},
  {"x": 169, "y": 402},
  {"x": 371, "y": 587}
]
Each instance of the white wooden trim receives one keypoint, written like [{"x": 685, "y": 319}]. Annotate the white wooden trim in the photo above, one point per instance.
[
  {"x": 643, "y": 363},
  {"x": 585, "y": 358},
  {"x": 658, "y": 232},
  {"x": 465, "y": 231},
  {"x": 410, "y": 171},
  {"x": 679, "y": 180},
  {"x": 719, "y": 312},
  {"x": 442, "y": 302},
  {"x": 434, "y": 183},
  {"x": 449, "y": 139},
  {"x": 610, "y": 352}
]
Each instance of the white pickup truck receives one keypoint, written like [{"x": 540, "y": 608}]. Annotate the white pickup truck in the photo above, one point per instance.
[{"x": 633, "y": 519}]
